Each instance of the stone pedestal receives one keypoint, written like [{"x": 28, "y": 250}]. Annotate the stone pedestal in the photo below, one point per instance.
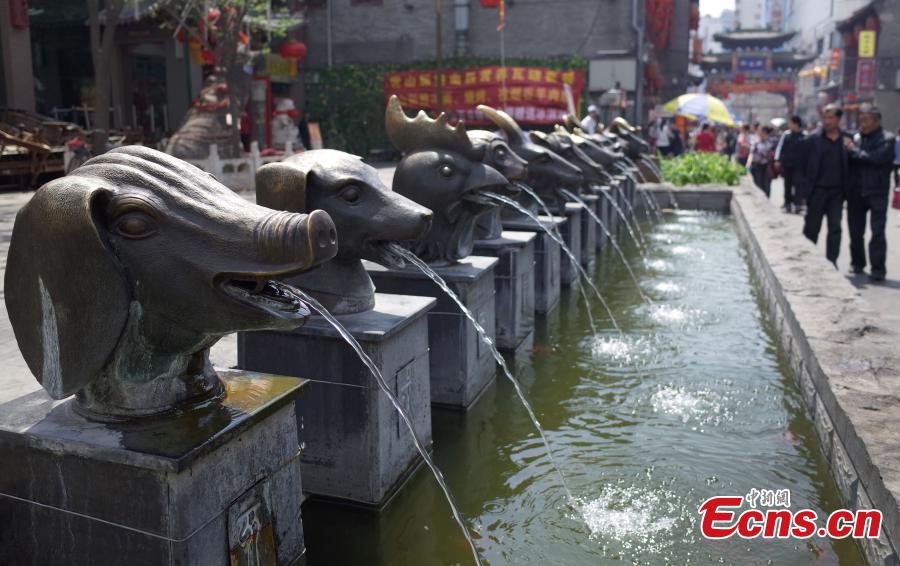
[
  {"x": 589, "y": 233},
  {"x": 603, "y": 208},
  {"x": 572, "y": 237},
  {"x": 461, "y": 365},
  {"x": 513, "y": 285},
  {"x": 213, "y": 486},
  {"x": 356, "y": 448},
  {"x": 612, "y": 219},
  {"x": 546, "y": 260}
]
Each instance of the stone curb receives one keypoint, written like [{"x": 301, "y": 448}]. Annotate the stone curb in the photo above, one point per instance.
[{"x": 844, "y": 363}]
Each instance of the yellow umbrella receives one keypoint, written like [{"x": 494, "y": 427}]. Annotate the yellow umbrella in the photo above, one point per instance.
[{"x": 701, "y": 107}]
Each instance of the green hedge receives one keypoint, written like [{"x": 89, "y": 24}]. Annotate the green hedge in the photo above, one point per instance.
[
  {"x": 348, "y": 102},
  {"x": 696, "y": 168}
]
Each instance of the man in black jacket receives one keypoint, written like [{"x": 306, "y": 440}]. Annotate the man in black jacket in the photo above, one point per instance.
[
  {"x": 790, "y": 158},
  {"x": 871, "y": 154},
  {"x": 826, "y": 176}
]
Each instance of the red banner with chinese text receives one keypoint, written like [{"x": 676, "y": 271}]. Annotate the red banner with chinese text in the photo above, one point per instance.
[{"x": 531, "y": 95}]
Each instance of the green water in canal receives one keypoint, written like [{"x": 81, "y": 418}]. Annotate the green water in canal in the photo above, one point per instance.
[{"x": 693, "y": 402}]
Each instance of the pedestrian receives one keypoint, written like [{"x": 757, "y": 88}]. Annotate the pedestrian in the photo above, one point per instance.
[
  {"x": 762, "y": 154},
  {"x": 789, "y": 160},
  {"x": 664, "y": 138},
  {"x": 743, "y": 145},
  {"x": 303, "y": 127},
  {"x": 677, "y": 145},
  {"x": 897, "y": 159},
  {"x": 826, "y": 175},
  {"x": 871, "y": 157},
  {"x": 706, "y": 140},
  {"x": 589, "y": 123},
  {"x": 728, "y": 143}
]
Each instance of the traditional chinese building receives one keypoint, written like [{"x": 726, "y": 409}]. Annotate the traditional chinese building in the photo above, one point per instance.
[
  {"x": 753, "y": 62},
  {"x": 868, "y": 69}
]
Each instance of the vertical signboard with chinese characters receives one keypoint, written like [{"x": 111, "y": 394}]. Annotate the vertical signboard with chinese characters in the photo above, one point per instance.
[
  {"x": 866, "y": 43},
  {"x": 531, "y": 95},
  {"x": 865, "y": 75}
]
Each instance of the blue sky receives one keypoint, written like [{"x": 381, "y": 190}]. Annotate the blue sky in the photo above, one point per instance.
[{"x": 715, "y": 7}]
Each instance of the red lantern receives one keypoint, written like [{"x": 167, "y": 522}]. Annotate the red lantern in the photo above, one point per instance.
[
  {"x": 490, "y": 3},
  {"x": 740, "y": 78},
  {"x": 292, "y": 50}
]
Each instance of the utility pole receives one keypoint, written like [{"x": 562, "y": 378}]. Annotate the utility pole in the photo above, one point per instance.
[{"x": 439, "y": 54}]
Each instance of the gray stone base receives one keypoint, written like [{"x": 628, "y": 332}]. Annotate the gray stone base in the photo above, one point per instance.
[
  {"x": 461, "y": 366},
  {"x": 185, "y": 490},
  {"x": 589, "y": 230},
  {"x": 514, "y": 285},
  {"x": 603, "y": 214},
  {"x": 345, "y": 419},
  {"x": 571, "y": 234},
  {"x": 546, "y": 260}
]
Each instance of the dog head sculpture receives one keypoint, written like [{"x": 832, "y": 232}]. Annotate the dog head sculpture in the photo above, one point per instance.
[
  {"x": 368, "y": 215},
  {"x": 547, "y": 171},
  {"x": 443, "y": 171},
  {"x": 122, "y": 274}
]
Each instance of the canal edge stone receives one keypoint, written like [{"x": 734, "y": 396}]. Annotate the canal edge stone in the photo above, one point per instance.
[{"x": 768, "y": 237}]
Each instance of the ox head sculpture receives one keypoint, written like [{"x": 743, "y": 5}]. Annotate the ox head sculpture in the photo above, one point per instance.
[
  {"x": 122, "y": 274},
  {"x": 443, "y": 171},
  {"x": 368, "y": 215},
  {"x": 547, "y": 171},
  {"x": 497, "y": 154}
]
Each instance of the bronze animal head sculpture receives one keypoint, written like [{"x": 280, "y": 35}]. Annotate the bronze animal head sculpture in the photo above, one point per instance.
[
  {"x": 602, "y": 153},
  {"x": 368, "y": 216},
  {"x": 547, "y": 171},
  {"x": 632, "y": 143},
  {"x": 497, "y": 153},
  {"x": 442, "y": 170},
  {"x": 122, "y": 274},
  {"x": 562, "y": 143}
]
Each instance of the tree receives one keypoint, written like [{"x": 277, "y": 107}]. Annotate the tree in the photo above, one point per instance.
[
  {"x": 224, "y": 29},
  {"x": 102, "y": 46}
]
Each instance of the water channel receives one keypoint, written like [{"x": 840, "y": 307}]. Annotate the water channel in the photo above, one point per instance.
[{"x": 693, "y": 400}]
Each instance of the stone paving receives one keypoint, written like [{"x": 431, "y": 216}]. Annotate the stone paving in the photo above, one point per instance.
[{"x": 885, "y": 296}]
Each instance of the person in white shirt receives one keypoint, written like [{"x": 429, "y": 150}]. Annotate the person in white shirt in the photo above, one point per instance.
[
  {"x": 664, "y": 138},
  {"x": 589, "y": 123}
]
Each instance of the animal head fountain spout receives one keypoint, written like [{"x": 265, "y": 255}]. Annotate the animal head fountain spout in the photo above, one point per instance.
[
  {"x": 121, "y": 275},
  {"x": 442, "y": 170},
  {"x": 497, "y": 153},
  {"x": 564, "y": 144},
  {"x": 547, "y": 170},
  {"x": 632, "y": 143},
  {"x": 368, "y": 215}
]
